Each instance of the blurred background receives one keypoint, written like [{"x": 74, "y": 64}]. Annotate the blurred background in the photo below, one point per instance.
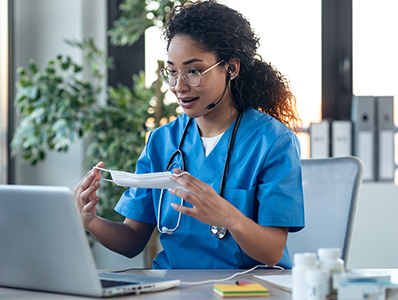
[{"x": 78, "y": 84}]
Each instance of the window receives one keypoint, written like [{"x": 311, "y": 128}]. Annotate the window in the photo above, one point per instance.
[
  {"x": 375, "y": 48},
  {"x": 4, "y": 68},
  {"x": 290, "y": 39}
]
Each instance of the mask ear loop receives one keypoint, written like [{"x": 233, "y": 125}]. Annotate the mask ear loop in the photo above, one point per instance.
[{"x": 106, "y": 170}]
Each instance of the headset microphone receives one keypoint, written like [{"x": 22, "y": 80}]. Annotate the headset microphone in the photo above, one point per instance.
[{"x": 214, "y": 104}]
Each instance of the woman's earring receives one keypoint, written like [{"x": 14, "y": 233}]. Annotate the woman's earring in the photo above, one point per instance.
[{"x": 233, "y": 77}]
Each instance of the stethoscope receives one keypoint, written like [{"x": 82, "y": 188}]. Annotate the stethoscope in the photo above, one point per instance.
[{"x": 217, "y": 231}]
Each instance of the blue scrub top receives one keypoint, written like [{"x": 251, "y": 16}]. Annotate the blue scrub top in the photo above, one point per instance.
[{"x": 263, "y": 182}]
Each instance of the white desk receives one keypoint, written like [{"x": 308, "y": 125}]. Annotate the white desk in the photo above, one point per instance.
[
  {"x": 193, "y": 292},
  {"x": 186, "y": 292}
]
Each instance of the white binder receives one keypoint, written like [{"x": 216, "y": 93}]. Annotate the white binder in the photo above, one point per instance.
[
  {"x": 364, "y": 121},
  {"x": 386, "y": 129},
  {"x": 320, "y": 139},
  {"x": 341, "y": 138}
]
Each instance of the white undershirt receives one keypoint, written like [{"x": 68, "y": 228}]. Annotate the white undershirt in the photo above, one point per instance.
[{"x": 210, "y": 142}]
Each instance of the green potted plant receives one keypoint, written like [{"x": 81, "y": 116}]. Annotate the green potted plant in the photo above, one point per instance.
[{"x": 55, "y": 105}]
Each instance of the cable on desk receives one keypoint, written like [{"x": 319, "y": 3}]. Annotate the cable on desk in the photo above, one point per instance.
[{"x": 228, "y": 278}]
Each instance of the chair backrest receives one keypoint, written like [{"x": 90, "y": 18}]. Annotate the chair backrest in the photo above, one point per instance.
[{"x": 330, "y": 187}]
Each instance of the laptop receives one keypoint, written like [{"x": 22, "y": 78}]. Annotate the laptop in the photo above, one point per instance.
[{"x": 44, "y": 247}]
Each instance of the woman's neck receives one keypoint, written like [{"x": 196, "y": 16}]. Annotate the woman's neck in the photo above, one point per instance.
[{"x": 215, "y": 124}]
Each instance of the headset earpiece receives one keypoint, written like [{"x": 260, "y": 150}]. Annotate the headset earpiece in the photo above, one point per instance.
[{"x": 231, "y": 74}]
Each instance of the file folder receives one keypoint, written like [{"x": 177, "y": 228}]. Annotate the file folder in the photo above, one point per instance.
[
  {"x": 341, "y": 138},
  {"x": 386, "y": 129},
  {"x": 364, "y": 121},
  {"x": 320, "y": 139}
]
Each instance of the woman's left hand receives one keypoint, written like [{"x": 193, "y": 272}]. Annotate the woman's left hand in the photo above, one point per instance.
[
  {"x": 263, "y": 243},
  {"x": 208, "y": 206}
]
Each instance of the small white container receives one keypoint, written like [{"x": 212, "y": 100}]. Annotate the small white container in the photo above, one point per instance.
[
  {"x": 329, "y": 260},
  {"x": 317, "y": 284},
  {"x": 302, "y": 263}
]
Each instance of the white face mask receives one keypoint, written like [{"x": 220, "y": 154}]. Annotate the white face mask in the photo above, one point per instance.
[{"x": 159, "y": 180}]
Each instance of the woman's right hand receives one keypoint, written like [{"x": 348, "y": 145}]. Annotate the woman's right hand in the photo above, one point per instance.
[{"x": 86, "y": 195}]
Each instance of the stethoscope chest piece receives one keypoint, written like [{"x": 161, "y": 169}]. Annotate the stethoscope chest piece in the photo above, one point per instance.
[{"x": 218, "y": 232}]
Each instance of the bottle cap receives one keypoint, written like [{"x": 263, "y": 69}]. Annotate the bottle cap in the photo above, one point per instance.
[{"x": 329, "y": 252}]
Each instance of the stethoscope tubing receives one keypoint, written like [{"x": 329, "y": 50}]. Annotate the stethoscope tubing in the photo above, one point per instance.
[
  {"x": 223, "y": 178},
  {"x": 175, "y": 153},
  {"x": 230, "y": 144}
]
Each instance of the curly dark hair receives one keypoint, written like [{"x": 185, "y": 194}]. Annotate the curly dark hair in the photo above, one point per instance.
[{"x": 226, "y": 33}]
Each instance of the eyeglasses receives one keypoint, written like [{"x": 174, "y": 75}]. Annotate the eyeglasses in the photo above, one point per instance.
[{"x": 191, "y": 76}]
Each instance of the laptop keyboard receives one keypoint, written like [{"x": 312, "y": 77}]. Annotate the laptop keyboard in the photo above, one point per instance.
[{"x": 112, "y": 283}]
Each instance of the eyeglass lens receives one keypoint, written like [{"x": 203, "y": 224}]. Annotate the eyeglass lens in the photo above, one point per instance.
[{"x": 190, "y": 76}]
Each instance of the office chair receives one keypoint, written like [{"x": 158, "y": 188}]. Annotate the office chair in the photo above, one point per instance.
[{"x": 330, "y": 187}]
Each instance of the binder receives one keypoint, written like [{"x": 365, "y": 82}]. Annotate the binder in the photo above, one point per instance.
[
  {"x": 385, "y": 129},
  {"x": 341, "y": 138},
  {"x": 364, "y": 121},
  {"x": 320, "y": 139}
]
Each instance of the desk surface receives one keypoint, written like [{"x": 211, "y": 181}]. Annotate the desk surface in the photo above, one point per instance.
[{"x": 191, "y": 292}]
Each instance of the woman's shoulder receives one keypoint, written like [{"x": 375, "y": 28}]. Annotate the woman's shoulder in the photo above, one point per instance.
[
  {"x": 267, "y": 133},
  {"x": 263, "y": 124}
]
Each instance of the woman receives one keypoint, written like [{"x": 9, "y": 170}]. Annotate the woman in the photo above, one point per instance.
[{"x": 243, "y": 187}]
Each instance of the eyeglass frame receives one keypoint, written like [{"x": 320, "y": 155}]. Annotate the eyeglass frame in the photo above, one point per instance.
[{"x": 178, "y": 74}]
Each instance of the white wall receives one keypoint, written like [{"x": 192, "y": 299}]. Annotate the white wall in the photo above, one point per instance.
[{"x": 40, "y": 27}]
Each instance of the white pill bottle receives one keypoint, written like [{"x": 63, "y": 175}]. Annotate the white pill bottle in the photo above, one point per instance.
[
  {"x": 330, "y": 260},
  {"x": 302, "y": 263},
  {"x": 318, "y": 285}
]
